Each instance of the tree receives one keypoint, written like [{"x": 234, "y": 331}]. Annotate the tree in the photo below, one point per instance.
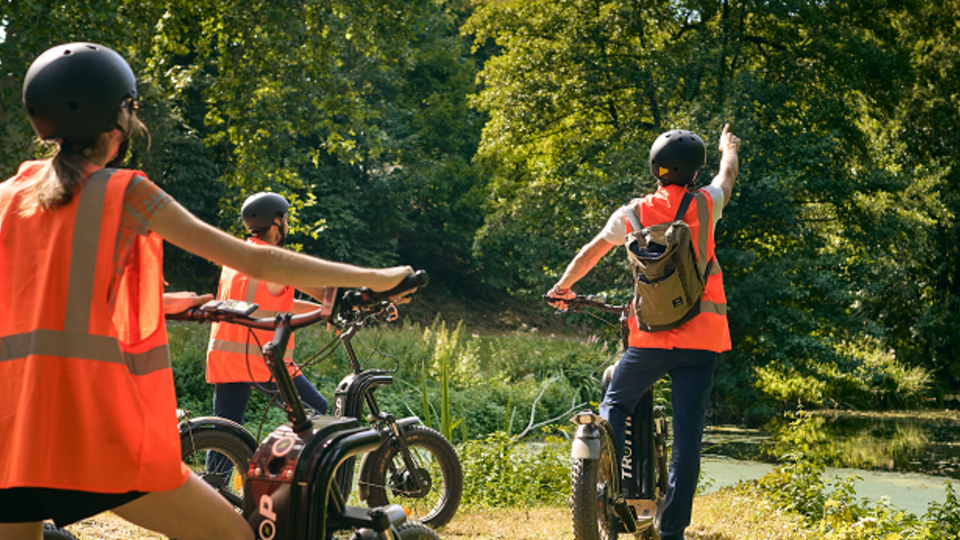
[{"x": 582, "y": 88}]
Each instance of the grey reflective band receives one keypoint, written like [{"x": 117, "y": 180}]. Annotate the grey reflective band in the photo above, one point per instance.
[
  {"x": 251, "y": 296},
  {"x": 715, "y": 267},
  {"x": 703, "y": 216},
  {"x": 83, "y": 347},
  {"x": 83, "y": 254},
  {"x": 243, "y": 348},
  {"x": 713, "y": 307}
]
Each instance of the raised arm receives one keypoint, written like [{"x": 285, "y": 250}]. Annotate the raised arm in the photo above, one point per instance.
[
  {"x": 182, "y": 229},
  {"x": 588, "y": 257},
  {"x": 729, "y": 163}
]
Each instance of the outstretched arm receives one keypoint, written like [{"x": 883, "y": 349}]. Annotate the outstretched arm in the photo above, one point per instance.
[
  {"x": 729, "y": 163},
  {"x": 268, "y": 263}
]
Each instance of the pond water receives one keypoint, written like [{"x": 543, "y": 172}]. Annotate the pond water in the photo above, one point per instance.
[{"x": 904, "y": 455}]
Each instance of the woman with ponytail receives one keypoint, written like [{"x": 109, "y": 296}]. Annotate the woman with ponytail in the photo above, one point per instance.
[{"x": 87, "y": 404}]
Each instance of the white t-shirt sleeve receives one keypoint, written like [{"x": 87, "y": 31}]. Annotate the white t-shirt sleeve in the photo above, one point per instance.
[
  {"x": 716, "y": 194},
  {"x": 615, "y": 230}
]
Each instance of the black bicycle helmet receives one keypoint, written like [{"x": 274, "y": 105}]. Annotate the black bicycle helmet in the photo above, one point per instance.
[
  {"x": 74, "y": 91},
  {"x": 260, "y": 210},
  {"x": 677, "y": 157}
]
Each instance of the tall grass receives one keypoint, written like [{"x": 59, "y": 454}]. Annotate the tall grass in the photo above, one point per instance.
[{"x": 460, "y": 384}]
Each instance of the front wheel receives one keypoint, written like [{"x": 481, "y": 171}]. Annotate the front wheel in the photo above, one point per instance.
[
  {"x": 52, "y": 532},
  {"x": 412, "y": 530},
  {"x": 219, "y": 458},
  {"x": 387, "y": 479},
  {"x": 592, "y": 496}
]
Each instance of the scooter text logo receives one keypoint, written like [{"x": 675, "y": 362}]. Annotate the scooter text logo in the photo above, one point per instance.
[
  {"x": 268, "y": 527},
  {"x": 627, "y": 464}
]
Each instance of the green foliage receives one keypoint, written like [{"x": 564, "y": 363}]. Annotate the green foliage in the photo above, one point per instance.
[
  {"x": 481, "y": 391},
  {"x": 499, "y": 473},
  {"x": 398, "y": 143},
  {"x": 833, "y": 508},
  {"x": 188, "y": 356},
  {"x": 836, "y": 223}
]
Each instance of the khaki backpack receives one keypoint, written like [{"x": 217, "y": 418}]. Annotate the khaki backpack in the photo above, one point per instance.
[{"x": 668, "y": 279}]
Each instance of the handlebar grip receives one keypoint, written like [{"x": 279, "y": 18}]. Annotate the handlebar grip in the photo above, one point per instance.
[
  {"x": 413, "y": 281},
  {"x": 365, "y": 297},
  {"x": 191, "y": 314}
]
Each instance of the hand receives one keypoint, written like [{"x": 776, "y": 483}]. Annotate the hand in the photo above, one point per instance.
[
  {"x": 561, "y": 295},
  {"x": 177, "y": 302},
  {"x": 729, "y": 141},
  {"x": 390, "y": 278}
]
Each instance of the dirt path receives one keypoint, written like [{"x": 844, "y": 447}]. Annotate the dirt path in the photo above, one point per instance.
[{"x": 716, "y": 517}]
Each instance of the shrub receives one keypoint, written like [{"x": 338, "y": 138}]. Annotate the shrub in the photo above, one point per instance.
[{"x": 500, "y": 473}]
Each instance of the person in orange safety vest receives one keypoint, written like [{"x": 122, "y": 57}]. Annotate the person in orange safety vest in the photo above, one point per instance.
[
  {"x": 234, "y": 362},
  {"x": 87, "y": 404},
  {"x": 689, "y": 352}
]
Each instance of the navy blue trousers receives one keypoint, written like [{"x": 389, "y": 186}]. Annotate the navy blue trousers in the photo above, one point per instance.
[
  {"x": 230, "y": 401},
  {"x": 691, "y": 373}
]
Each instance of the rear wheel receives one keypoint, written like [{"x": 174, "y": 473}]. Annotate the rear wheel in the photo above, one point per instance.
[
  {"x": 219, "y": 458},
  {"x": 389, "y": 481},
  {"x": 592, "y": 496}
]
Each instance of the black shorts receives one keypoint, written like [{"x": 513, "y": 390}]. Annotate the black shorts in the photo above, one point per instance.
[{"x": 63, "y": 506}]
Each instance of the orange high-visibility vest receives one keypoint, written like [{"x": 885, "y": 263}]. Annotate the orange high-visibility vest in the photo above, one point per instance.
[
  {"x": 233, "y": 354},
  {"x": 86, "y": 390},
  {"x": 709, "y": 329}
]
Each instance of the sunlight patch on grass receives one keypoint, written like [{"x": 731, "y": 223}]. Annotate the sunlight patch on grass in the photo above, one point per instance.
[{"x": 734, "y": 514}]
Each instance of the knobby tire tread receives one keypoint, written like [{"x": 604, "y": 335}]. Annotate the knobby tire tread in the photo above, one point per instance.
[
  {"x": 418, "y": 437},
  {"x": 413, "y": 530},
  {"x": 52, "y": 532},
  {"x": 586, "y": 490}
]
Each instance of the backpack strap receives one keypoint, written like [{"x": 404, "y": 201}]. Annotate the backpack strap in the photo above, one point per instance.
[
  {"x": 684, "y": 204},
  {"x": 634, "y": 216}
]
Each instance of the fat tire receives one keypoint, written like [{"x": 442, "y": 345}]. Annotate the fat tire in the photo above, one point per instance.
[
  {"x": 414, "y": 530},
  {"x": 591, "y": 500},
  {"x": 52, "y": 532},
  {"x": 193, "y": 450},
  {"x": 448, "y": 490}
]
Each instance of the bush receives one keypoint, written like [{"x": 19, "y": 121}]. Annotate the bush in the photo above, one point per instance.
[{"x": 499, "y": 473}]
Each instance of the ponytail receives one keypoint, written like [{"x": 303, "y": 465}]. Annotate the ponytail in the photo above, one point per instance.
[{"x": 63, "y": 173}]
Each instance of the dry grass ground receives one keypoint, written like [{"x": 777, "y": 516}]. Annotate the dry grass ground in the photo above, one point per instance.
[{"x": 725, "y": 515}]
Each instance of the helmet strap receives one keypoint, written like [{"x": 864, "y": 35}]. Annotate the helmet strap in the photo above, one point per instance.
[
  {"x": 121, "y": 154},
  {"x": 283, "y": 235}
]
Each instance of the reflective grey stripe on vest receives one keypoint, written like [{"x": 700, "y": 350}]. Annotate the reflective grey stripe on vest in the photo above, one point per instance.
[
  {"x": 713, "y": 307},
  {"x": 83, "y": 257},
  {"x": 703, "y": 216},
  {"x": 75, "y": 341},
  {"x": 251, "y": 296},
  {"x": 84, "y": 347},
  {"x": 243, "y": 348}
]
